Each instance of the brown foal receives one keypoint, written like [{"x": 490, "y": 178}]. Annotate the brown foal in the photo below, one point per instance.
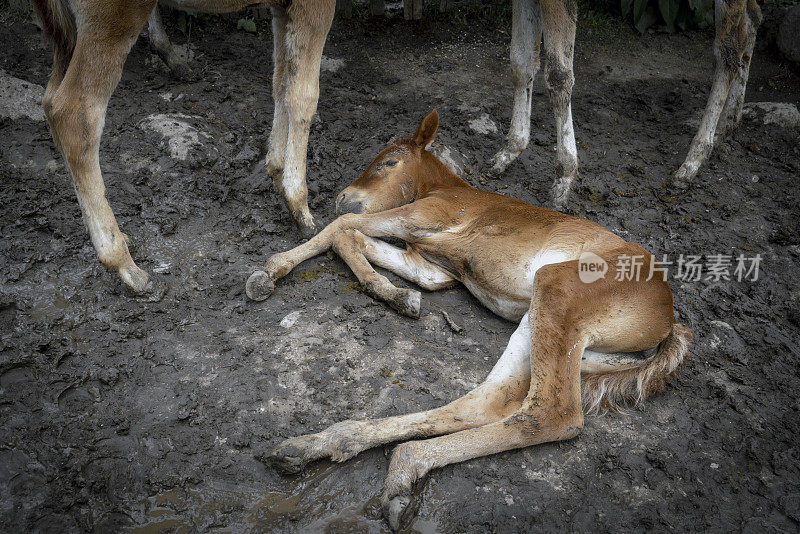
[{"x": 581, "y": 345}]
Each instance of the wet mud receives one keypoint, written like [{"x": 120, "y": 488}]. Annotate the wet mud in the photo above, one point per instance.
[{"x": 150, "y": 415}]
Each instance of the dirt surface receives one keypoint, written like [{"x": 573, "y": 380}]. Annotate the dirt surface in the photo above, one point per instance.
[{"x": 150, "y": 415}]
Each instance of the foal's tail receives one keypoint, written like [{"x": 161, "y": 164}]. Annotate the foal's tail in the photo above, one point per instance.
[
  {"x": 58, "y": 25},
  {"x": 615, "y": 390}
]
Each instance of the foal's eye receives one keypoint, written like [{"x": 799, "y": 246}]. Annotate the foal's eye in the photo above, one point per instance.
[{"x": 390, "y": 163}]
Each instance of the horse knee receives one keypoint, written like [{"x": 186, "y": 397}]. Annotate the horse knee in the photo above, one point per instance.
[
  {"x": 559, "y": 81},
  {"x": 301, "y": 103},
  {"x": 535, "y": 421}
]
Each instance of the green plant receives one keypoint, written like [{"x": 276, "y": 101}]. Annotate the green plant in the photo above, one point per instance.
[{"x": 675, "y": 14}]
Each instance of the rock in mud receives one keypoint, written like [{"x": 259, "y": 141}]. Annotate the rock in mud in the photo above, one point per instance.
[
  {"x": 180, "y": 136},
  {"x": 779, "y": 113},
  {"x": 19, "y": 98},
  {"x": 483, "y": 125}
]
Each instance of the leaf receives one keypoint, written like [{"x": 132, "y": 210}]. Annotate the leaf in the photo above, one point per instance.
[
  {"x": 626, "y": 6},
  {"x": 669, "y": 11},
  {"x": 248, "y": 25}
]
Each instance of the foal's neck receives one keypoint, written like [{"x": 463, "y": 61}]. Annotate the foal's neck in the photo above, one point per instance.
[{"x": 433, "y": 175}]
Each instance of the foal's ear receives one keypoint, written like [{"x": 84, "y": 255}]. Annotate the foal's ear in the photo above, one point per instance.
[{"x": 427, "y": 129}]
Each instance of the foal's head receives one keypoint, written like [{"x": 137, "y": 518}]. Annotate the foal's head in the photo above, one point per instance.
[{"x": 391, "y": 180}]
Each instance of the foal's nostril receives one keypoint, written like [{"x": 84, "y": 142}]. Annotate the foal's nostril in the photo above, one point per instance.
[{"x": 349, "y": 206}]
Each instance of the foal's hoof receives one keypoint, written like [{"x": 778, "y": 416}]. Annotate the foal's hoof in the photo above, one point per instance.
[
  {"x": 397, "y": 511},
  {"x": 408, "y": 303},
  {"x": 259, "y": 286},
  {"x": 286, "y": 457}
]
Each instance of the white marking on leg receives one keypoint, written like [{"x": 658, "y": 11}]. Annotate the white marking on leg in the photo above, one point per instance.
[
  {"x": 515, "y": 360},
  {"x": 566, "y": 136},
  {"x": 405, "y": 264}
]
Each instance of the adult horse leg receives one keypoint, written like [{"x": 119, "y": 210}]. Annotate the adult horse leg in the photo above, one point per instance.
[
  {"x": 162, "y": 46},
  {"x": 306, "y": 30},
  {"x": 559, "y": 18},
  {"x": 736, "y": 23},
  {"x": 526, "y": 44},
  {"x": 75, "y": 108}
]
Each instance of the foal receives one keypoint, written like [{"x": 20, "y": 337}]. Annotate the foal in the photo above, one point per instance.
[{"x": 581, "y": 345}]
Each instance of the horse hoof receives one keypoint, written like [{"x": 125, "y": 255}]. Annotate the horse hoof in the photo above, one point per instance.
[
  {"x": 181, "y": 71},
  {"x": 682, "y": 178},
  {"x": 286, "y": 458},
  {"x": 259, "y": 286},
  {"x": 396, "y": 511},
  {"x": 135, "y": 278},
  {"x": 307, "y": 230},
  {"x": 409, "y": 305}
]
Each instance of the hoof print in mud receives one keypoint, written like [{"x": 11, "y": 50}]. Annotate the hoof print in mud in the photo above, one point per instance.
[{"x": 259, "y": 286}]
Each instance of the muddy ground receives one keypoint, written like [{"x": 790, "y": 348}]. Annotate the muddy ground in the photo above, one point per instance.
[{"x": 118, "y": 412}]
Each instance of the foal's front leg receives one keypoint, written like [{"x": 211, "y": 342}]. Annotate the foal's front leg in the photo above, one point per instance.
[
  {"x": 350, "y": 246},
  {"x": 396, "y": 222},
  {"x": 359, "y": 251}
]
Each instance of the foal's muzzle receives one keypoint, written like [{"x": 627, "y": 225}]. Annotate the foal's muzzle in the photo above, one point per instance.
[{"x": 344, "y": 204}]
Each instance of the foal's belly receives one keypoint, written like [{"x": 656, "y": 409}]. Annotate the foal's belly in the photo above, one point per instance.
[
  {"x": 511, "y": 307},
  {"x": 505, "y": 285}
]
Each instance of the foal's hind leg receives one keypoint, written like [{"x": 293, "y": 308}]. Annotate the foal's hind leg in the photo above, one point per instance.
[
  {"x": 307, "y": 28},
  {"x": 526, "y": 43},
  {"x": 499, "y": 395},
  {"x": 551, "y": 410},
  {"x": 736, "y": 25},
  {"x": 75, "y": 111},
  {"x": 561, "y": 327},
  {"x": 558, "y": 18}
]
